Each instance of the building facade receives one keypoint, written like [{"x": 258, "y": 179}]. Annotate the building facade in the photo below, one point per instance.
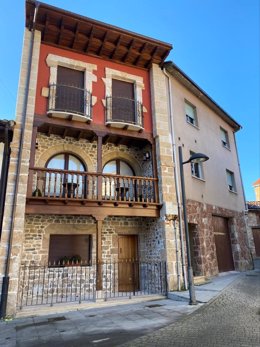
[
  {"x": 92, "y": 205},
  {"x": 214, "y": 189}
]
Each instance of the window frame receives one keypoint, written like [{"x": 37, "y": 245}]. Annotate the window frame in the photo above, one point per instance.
[
  {"x": 226, "y": 142},
  {"x": 200, "y": 169},
  {"x": 230, "y": 174},
  {"x": 86, "y": 262},
  {"x": 187, "y": 117}
]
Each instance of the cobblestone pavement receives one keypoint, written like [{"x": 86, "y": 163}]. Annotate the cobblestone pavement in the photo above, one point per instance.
[{"x": 232, "y": 319}]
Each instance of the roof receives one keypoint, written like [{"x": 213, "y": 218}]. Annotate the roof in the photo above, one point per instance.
[
  {"x": 88, "y": 36},
  {"x": 256, "y": 183},
  {"x": 253, "y": 205},
  {"x": 176, "y": 72}
]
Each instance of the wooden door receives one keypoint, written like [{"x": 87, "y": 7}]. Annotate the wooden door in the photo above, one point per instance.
[
  {"x": 128, "y": 273},
  {"x": 223, "y": 244},
  {"x": 123, "y": 105},
  {"x": 256, "y": 235}
]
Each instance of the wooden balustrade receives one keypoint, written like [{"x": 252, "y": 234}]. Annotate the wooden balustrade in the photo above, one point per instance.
[{"x": 65, "y": 184}]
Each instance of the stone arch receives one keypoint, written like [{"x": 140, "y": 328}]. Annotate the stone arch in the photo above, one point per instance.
[
  {"x": 128, "y": 158},
  {"x": 66, "y": 148}
]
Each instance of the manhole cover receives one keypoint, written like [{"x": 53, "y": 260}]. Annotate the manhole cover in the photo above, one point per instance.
[
  {"x": 56, "y": 319},
  {"x": 154, "y": 305}
]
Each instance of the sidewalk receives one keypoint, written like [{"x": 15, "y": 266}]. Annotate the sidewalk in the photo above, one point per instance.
[{"x": 108, "y": 324}]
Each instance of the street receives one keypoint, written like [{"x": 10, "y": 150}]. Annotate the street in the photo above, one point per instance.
[{"x": 231, "y": 318}]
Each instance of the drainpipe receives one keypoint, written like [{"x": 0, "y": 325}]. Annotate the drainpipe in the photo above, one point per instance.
[
  {"x": 5, "y": 283},
  {"x": 5, "y": 166},
  {"x": 176, "y": 179}
]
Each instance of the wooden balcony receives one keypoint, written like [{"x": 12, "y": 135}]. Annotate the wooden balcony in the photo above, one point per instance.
[{"x": 77, "y": 192}]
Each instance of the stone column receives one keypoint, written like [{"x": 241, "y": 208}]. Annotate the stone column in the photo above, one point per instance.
[
  {"x": 165, "y": 167},
  {"x": 25, "y": 148}
]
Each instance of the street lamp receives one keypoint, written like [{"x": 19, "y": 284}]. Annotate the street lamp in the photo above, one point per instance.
[{"x": 194, "y": 158}]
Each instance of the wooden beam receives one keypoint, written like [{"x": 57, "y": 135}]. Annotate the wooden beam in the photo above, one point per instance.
[
  {"x": 89, "y": 39},
  {"x": 116, "y": 47},
  {"x": 45, "y": 27},
  {"x": 151, "y": 57},
  {"x": 103, "y": 43},
  {"x": 49, "y": 131},
  {"x": 65, "y": 132},
  {"x": 75, "y": 35},
  {"x": 79, "y": 135},
  {"x": 99, "y": 166},
  {"x": 61, "y": 31},
  {"x": 140, "y": 53},
  {"x": 129, "y": 51}
]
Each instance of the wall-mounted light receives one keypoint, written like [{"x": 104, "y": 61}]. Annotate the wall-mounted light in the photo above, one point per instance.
[{"x": 147, "y": 156}]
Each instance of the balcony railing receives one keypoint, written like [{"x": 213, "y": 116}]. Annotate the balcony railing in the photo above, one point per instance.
[
  {"x": 123, "y": 110},
  {"x": 70, "y": 100},
  {"x": 77, "y": 185}
]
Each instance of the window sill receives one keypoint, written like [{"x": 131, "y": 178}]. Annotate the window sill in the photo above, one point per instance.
[
  {"x": 69, "y": 116},
  {"x": 193, "y": 125},
  {"x": 198, "y": 178},
  {"x": 123, "y": 125},
  {"x": 232, "y": 191},
  {"x": 228, "y": 148}
]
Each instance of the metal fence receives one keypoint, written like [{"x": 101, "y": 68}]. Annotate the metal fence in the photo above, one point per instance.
[{"x": 52, "y": 284}]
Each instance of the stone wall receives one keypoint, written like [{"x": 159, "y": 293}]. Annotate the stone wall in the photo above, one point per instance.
[
  {"x": 13, "y": 220},
  {"x": 200, "y": 216},
  {"x": 253, "y": 221},
  {"x": 47, "y": 146}
]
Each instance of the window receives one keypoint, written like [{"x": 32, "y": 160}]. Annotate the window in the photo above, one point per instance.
[
  {"x": 197, "y": 169},
  {"x": 64, "y": 184},
  {"x": 224, "y": 138},
  {"x": 70, "y": 88},
  {"x": 124, "y": 105},
  {"x": 191, "y": 115},
  {"x": 231, "y": 181},
  {"x": 123, "y": 101},
  {"x": 117, "y": 187},
  {"x": 70, "y": 249}
]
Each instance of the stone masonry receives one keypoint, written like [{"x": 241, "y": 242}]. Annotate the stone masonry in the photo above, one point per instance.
[
  {"x": 203, "y": 237},
  {"x": 13, "y": 220}
]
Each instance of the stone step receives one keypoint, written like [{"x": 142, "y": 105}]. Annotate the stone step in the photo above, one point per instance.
[{"x": 200, "y": 280}]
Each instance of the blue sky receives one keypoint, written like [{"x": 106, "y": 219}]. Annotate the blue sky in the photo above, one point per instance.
[{"x": 215, "y": 42}]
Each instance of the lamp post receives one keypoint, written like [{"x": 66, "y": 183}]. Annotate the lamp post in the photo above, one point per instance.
[{"x": 195, "y": 158}]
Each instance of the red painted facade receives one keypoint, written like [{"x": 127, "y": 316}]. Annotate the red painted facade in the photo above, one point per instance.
[{"x": 98, "y": 87}]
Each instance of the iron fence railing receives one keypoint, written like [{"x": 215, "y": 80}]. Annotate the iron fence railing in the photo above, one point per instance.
[
  {"x": 124, "y": 110},
  {"x": 56, "y": 283},
  {"x": 70, "y": 99}
]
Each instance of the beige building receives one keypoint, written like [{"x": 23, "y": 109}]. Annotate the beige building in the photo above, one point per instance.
[{"x": 214, "y": 190}]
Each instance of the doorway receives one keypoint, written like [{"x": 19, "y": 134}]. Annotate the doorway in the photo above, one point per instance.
[
  {"x": 223, "y": 244},
  {"x": 256, "y": 236},
  {"x": 128, "y": 269}
]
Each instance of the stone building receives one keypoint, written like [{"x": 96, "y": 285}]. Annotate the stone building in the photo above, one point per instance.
[
  {"x": 96, "y": 208},
  {"x": 253, "y": 221}
]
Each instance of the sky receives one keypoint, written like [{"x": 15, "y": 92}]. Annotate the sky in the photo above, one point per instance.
[{"x": 215, "y": 42}]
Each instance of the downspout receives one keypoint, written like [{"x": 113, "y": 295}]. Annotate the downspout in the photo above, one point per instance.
[
  {"x": 4, "y": 171},
  {"x": 176, "y": 183},
  {"x": 5, "y": 283}
]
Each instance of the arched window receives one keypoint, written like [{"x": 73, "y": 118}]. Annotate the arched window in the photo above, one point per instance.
[
  {"x": 65, "y": 184},
  {"x": 118, "y": 187},
  {"x": 118, "y": 167}
]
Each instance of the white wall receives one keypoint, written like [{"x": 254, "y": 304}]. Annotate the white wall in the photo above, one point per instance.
[{"x": 206, "y": 139}]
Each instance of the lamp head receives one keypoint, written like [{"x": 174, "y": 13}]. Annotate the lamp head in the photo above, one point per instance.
[{"x": 197, "y": 158}]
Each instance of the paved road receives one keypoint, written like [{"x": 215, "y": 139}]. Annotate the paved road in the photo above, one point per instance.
[{"x": 232, "y": 320}]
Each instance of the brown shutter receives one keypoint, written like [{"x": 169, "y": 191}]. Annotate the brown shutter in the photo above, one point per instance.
[
  {"x": 70, "y": 90},
  {"x": 123, "y": 105}
]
